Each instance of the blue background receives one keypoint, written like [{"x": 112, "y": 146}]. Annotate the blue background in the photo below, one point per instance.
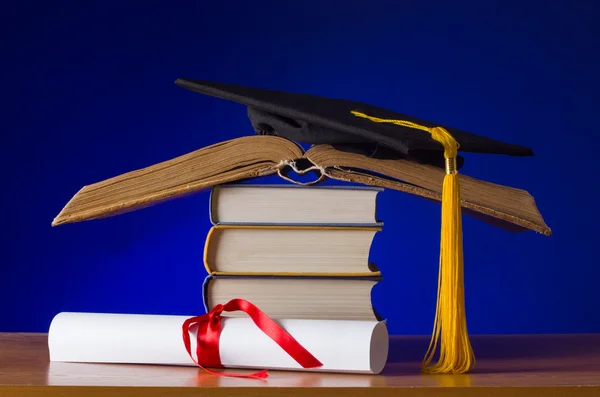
[{"x": 88, "y": 93}]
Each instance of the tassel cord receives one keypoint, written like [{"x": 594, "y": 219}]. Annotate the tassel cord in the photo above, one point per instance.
[{"x": 450, "y": 335}]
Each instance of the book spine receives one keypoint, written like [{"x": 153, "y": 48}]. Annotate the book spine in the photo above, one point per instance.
[
  {"x": 212, "y": 200},
  {"x": 376, "y": 217},
  {"x": 206, "y": 249},
  {"x": 205, "y": 292}
]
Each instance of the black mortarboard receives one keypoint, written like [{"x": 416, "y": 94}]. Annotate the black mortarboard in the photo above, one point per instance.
[{"x": 315, "y": 119}]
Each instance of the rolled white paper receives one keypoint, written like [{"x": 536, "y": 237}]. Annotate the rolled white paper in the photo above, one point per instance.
[{"x": 342, "y": 346}]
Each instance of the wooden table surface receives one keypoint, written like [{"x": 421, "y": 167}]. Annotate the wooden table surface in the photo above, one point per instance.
[{"x": 534, "y": 365}]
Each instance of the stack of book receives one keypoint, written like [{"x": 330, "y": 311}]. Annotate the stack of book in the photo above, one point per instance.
[
  {"x": 299, "y": 254},
  {"x": 296, "y": 252}
]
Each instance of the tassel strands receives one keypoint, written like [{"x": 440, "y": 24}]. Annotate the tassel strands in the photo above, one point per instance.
[
  {"x": 450, "y": 326},
  {"x": 450, "y": 334}
]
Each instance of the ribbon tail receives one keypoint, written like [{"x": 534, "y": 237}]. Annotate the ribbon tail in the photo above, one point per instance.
[
  {"x": 290, "y": 345},
  {"x": 256, "y": 375}
]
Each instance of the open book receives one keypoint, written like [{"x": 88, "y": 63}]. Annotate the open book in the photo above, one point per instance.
[{"x": 256, "y": 156}]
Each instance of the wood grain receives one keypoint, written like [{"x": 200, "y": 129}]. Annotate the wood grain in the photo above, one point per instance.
[{"x": 526, "y": 365}]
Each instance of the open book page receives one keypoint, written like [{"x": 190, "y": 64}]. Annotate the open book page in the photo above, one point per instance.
[
  {"x": 255, "y": 156},
  {"x": 504, "y": 203},
  {"x": 227, "y": 161}
]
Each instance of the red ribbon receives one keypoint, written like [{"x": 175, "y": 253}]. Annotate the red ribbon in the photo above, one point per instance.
[{"x": 209, "y": 332}]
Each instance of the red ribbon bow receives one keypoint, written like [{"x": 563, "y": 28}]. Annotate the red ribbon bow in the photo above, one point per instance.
[{"x": 209, "y": 332}]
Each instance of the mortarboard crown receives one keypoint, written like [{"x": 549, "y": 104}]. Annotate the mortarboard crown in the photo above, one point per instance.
[
  {"x": 357, "y": 128},
  {"x": 345, "y": 124}
]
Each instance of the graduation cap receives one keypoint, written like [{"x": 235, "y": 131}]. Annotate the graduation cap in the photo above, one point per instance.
[
  {"x": 375, "y": 131},
  {"x": 347, "y": 125}
]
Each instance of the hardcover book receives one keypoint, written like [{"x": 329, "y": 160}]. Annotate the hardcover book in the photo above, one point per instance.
[
  {"x": 289, "y": 204},
  {"x": 297, "y": 297},
  {"x": 255, "y": 156},
  {"x": 290, "y": 250}
]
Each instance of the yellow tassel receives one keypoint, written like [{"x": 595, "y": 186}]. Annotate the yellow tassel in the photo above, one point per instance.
[{"x": 450, "y": 333}]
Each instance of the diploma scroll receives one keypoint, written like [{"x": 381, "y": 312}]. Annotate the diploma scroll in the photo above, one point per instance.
[{"x": 341, "y": 346}]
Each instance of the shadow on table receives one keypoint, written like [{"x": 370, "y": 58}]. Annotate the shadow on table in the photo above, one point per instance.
[{"x": 412, "y": 349}]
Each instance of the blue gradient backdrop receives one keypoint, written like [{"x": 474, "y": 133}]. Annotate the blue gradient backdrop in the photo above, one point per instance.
[{"x": 88, "y": 93}]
